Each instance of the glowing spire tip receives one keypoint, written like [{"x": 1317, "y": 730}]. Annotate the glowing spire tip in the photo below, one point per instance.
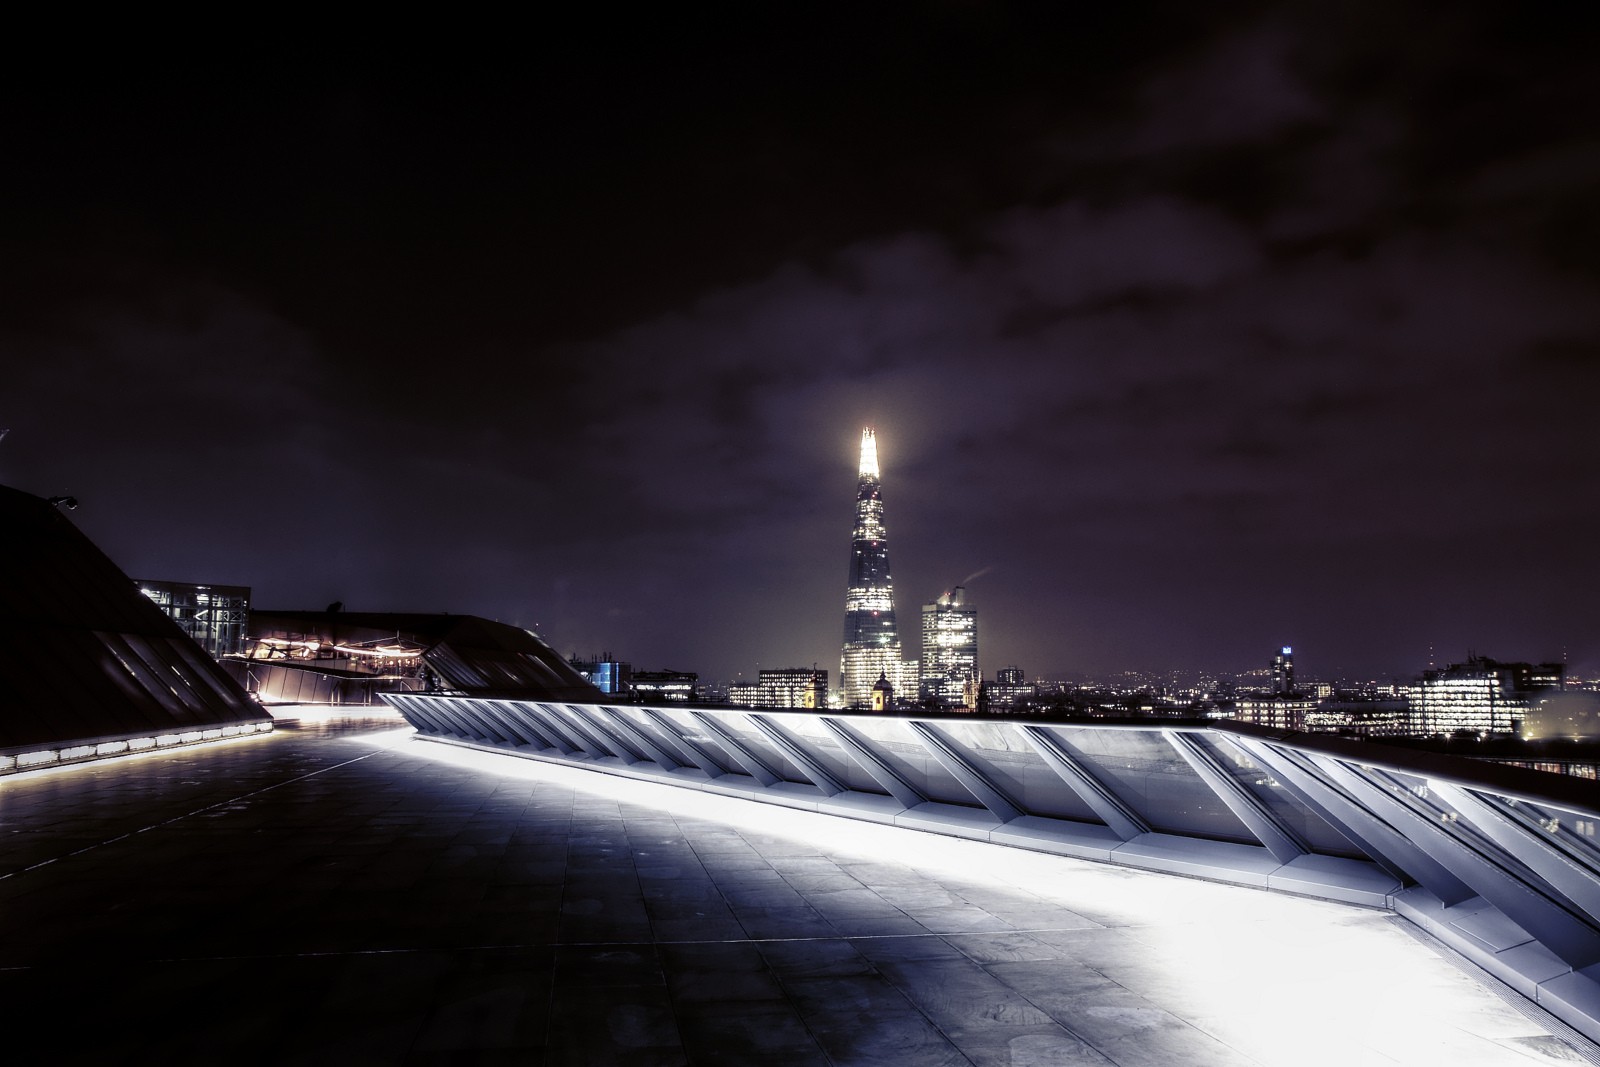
[{"x": 869, "y": 454}]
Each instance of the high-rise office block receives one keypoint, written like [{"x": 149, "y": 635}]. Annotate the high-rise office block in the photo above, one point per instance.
[
  {"x": 949, "y": 651},
  {"x": 1283, "y": 670},
  {"x": 871, "y": 637}
]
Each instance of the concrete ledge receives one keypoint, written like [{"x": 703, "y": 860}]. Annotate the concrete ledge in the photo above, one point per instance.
[
  {"x": 871, "y": 807},
  {"x": 1089, "y": 841},
  {"x": 1336, "y": 878},
  {"x": 1220, "y": 860},
  {"x": 949, "y": 819},
  {"x": 1524, "y": 966},
  {"x": 1574, "y": 998}
]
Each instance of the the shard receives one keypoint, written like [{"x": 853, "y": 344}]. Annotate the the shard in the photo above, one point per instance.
[{"x": 871, "y": 637}]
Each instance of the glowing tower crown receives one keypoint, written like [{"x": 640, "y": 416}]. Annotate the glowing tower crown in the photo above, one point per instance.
[{"x": 871, "y": 638}]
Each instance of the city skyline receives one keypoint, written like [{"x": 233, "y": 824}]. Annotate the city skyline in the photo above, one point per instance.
[{"x": 1186, "y": 333}]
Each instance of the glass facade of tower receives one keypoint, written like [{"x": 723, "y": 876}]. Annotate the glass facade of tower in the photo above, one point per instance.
[
  {"x": 871, "y": 636},
  {"x": 1480, "y": 696},
  {"x": 949, "y": 651}
]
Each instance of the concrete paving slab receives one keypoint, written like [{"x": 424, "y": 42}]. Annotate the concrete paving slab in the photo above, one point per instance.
[{"x": 343, "y": 892}]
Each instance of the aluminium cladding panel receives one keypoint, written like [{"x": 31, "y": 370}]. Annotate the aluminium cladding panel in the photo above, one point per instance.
[
  {"x": 1278, "y": 838},
  {"x": 1073, "y": 770},
  {"x": 1319, "y": 834},
  {"x": 825, "y": 749},
  {"x": 597, "y": 723},
  {"x": 748, "y": 759},
  {"x": 639, "y": 736},
  {"x": 420, "y": 712},
  {"x": 741, "y": 726},
  {"x": 1238, "y": 861},
  {"x": 1560, "y": 844},
  {"x": 973, "y": 779},
  {"x": 685, "y": 741},
  {"x": 1013, "y": 765},
  {"x": 814, "y": 769},
  {"x": 1379, "y": 841},
  {"x": 1155, "y": 782},
  {"x": 1499, "y": 877},
  {"x": 867, "y": 757},
  {"x": 515, "y": 729},
  {"x": 896, "y": 745},
  {"x": 1563, "y": 873},
  {"x": 518, "y": 724},
  {"x": 702, "y": 737}
]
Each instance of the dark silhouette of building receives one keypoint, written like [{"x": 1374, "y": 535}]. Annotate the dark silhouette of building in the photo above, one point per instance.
[
  {"x": 344, "y": 657},
  {"x": 91, "y": 667}
]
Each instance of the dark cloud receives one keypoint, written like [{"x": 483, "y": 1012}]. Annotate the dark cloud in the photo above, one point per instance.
[{"x": 1188, "y": 334}]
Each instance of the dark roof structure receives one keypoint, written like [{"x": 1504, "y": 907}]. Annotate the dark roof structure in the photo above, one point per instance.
[
  {"x": 468, "y": 654},
  {"x": 83, "y": 655}
]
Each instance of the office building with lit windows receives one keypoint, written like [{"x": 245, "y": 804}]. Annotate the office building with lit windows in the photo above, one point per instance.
[
  {"x": 949, "y": 651},
  {"x": 1481, "y": 696},
  {"x": 871, "y": 636},
  {"x": 1010, "y": 689},
  {"x": 782, "y": 687},
  {"x": 792, "y": 687},
  {"x": 1283, "y": 670},
  {"x": 673, "y": 687}
]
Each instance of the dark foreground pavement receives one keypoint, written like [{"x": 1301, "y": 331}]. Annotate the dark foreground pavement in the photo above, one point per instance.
[{"x": 345, "y": 893}]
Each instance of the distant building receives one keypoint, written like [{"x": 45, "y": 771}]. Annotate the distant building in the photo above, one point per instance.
[
  {"x": 342, "y": 657},
  {"x": 1280, "y": 711},
  {"x": 608, "y": 675},
  {"x": 1283, "y": 670},
  {"x": 882, "y": 694},
  {"x": 1481, "y": 696},
  {"x": 949, "y": 674},
  {"x": 215, "y": 616},
  {"x": 664, "y": 687},
  {"x": 1009, "y": 689},
  {"x": 792, "y": 687},
  {"x": 1350, "y": 716},
  {"x": 871, "y": 635}
]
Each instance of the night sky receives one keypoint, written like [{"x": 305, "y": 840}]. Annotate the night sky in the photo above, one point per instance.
[{"x": 1187, "y": 330}]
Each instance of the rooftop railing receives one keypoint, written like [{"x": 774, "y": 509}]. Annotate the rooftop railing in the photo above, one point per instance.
[{"x": 1500, "y": 863}]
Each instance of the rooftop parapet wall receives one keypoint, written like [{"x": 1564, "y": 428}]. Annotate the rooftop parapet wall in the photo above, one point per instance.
[{"x": 1500, "y": 863}]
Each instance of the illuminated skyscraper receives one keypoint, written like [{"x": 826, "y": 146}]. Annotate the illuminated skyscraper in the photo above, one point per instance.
[
  {"x": 1283, "y": 670},
  {"x": 950, "y": 651},
  {"x": 871, "y": 638}
]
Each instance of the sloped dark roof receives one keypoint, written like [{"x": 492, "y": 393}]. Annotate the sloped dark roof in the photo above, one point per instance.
[
  {"x": 469, "y": 654},
  {"x": 83, "y": 654}
]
